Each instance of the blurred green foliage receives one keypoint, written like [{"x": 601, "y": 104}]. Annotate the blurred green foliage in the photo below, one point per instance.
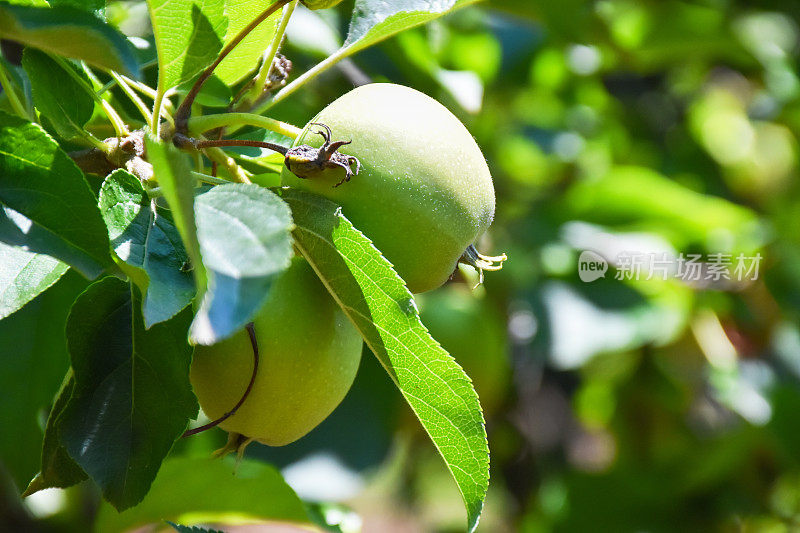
[{"x": 657, "y": 126}]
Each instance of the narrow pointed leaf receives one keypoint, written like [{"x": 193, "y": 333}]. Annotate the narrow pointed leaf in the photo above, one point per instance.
[
  {"x": 132, "y": 396},
  {"x": 378, "y": 303},
  {"x": 148, "y": 245},
  {"x": 39, "y": 181},
  {"x": 69, "y": 32},
  {"x": 69, "y": 107}
]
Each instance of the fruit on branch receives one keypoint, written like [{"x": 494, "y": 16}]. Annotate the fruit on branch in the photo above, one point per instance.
[
  {"x": 424, "y": 193},
  {"x": 309, "y": 353}
]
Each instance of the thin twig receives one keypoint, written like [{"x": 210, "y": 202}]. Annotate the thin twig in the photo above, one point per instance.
[
  {"x": 214, "y": 143},
  {"x": 251, "y": 331}
]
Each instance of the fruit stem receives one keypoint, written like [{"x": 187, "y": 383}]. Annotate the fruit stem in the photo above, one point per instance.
[
  {"x": 251, "y": 331},
  {"x": 480, "y": 262},
  {"x": 185, "y": 109}
]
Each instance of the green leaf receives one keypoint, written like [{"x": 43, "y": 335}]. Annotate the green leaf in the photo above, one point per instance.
[
  {"x": 33, "y": 359},
  {"x": 39, "y": 181},
  {"x": 69, "y": 32},
  {"x": 23, "y": 275},
  {"x": 21, "y": 232},
  {"x": 245, "y": 58},
  {"x": 194, "y": 529},
  {"x": 58, "y": 468},
  {"x": 245, "y": 240},
  {"x": 189, "y": 35},
  {"x": 202, "y": 490},
  {"x": 214, "y": 92},
  {"x": 376, "y": 20},
  {"x": 173, "y": 171},
  {"x": 378, "y": 303},
  {"x": 148, "y": 245},
  {"x": 132, "y": 396},
  {"x": 97, "y": 6},
  {"x": 69, "y": 107}
]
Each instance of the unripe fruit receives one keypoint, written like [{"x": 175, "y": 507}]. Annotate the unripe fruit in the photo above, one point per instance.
[
  {"x": 424, "y": 192},
  {"x": 309, "y": 355}
]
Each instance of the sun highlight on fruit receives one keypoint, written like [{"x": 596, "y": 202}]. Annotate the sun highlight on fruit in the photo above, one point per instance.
[
  {"x": 424, "y": 193},
  {"x": 309, "y": 355}
]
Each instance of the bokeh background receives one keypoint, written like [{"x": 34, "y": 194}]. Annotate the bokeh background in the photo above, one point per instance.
[{"x": 660, "y": 126}]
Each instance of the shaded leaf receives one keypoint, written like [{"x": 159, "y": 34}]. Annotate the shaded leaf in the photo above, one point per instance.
[
  {"x": 207, "y": 489},
  {"x": 58, "y": 469},
  {"x": 378, "y": 303},
  {"x": 189, "y": 35},
  {"x": 132, "y": 396},
  {"x": 244, "y": 233},
  {"x": 148, "y": 245},
  {"x": 69, "y": 107},
  {"x": 69, "y": 32},
  {"x": 39, "y": 181},
  {"x": 33, "y": 359}
]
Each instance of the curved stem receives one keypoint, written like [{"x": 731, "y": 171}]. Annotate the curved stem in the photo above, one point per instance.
[
  {"x": 185, "y": 109},
  {"x": 251, "y": 331},
  {"x": 154, "y": 119},
  {"x": 210, "y": 179},
  {"x": 211, "y": 122},
  {"x": 266, "y": 67}
]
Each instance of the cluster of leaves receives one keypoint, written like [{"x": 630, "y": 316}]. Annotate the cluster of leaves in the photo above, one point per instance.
[{"x": 111, "y": 272}]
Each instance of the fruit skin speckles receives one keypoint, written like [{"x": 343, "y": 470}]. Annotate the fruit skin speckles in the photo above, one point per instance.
[{"x": 424, "y": 193}]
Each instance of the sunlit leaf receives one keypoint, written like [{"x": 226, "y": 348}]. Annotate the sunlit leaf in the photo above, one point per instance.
[
  {"x": 202, "y": 490},
  {"x": 383, "y": 310}
]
